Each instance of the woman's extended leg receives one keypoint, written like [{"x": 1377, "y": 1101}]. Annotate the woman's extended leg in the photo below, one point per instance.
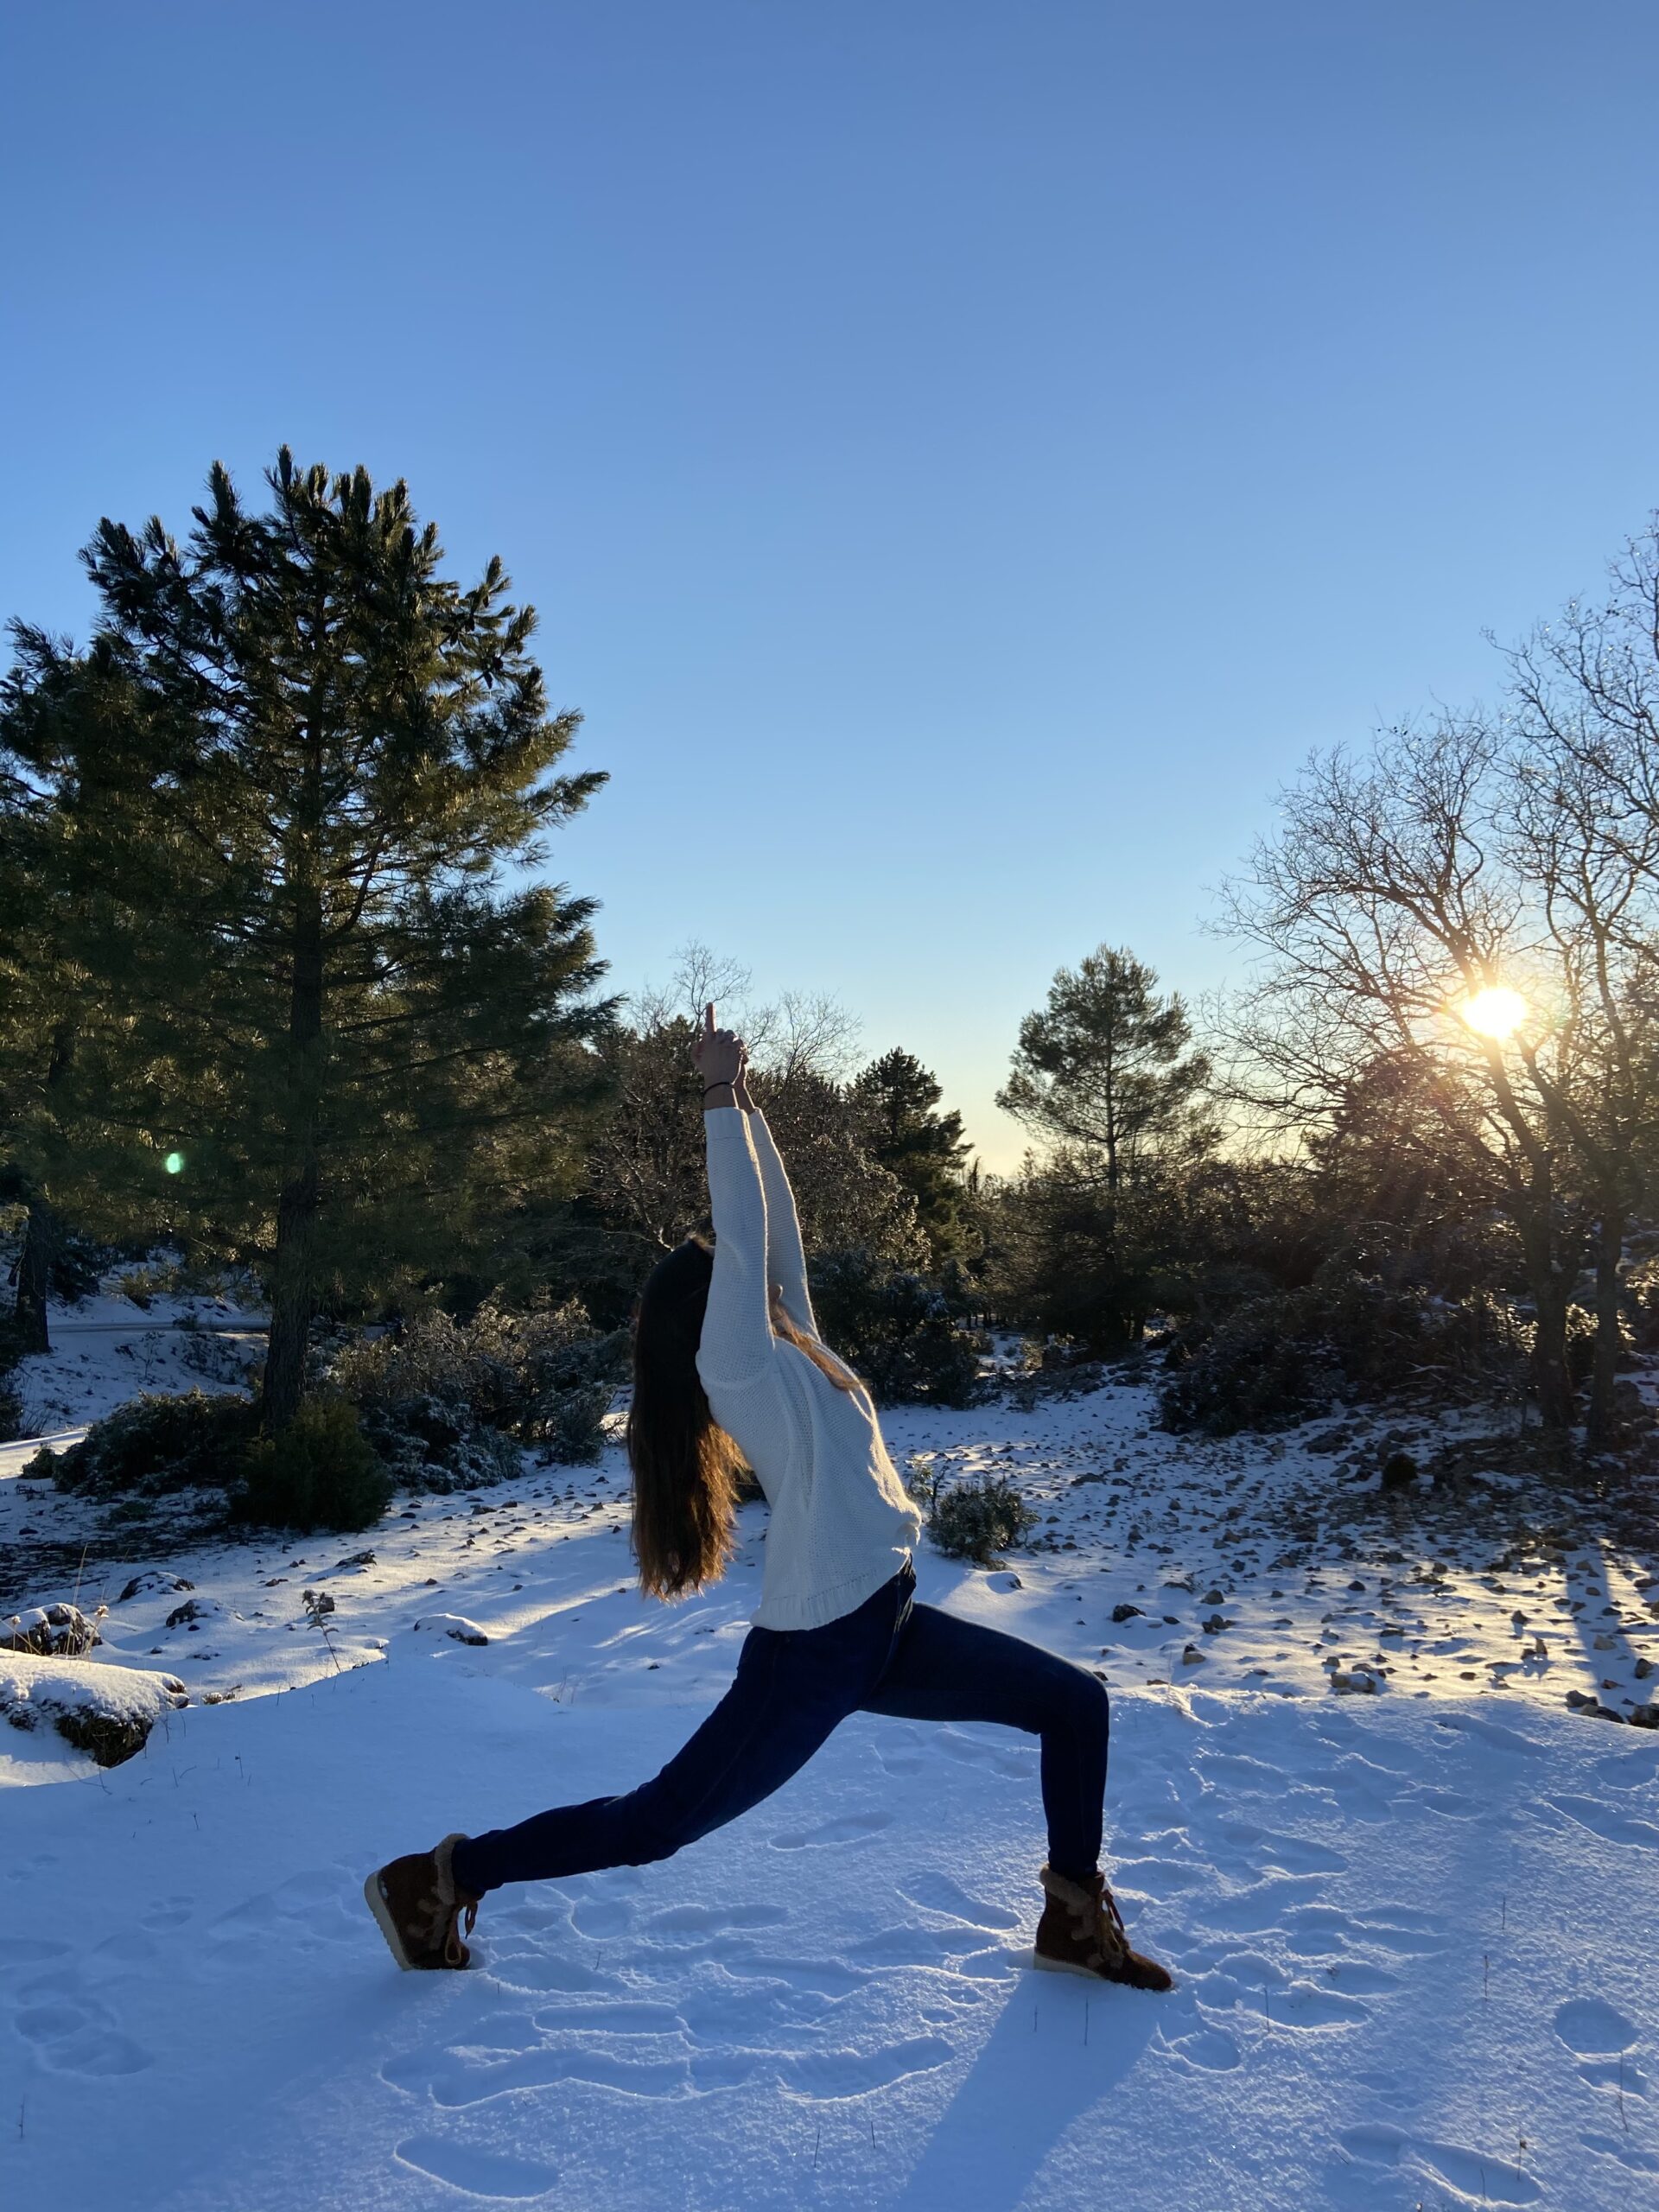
[
  {"x": 944, "y": 1668},
  {"x": 792, "y": 1691}
]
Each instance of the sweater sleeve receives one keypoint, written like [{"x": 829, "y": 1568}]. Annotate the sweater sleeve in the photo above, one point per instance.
[
  {"x": 737, "y": 1345},
  {"x": 785, "y": 1257}
]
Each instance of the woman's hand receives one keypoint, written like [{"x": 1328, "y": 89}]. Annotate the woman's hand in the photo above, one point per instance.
[{"x": 720, "y": 1054}]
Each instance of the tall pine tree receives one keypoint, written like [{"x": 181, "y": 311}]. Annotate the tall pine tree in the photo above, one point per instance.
[
  {"x": 923, "y": 1149},
  {"x": 295, "y": 768}
]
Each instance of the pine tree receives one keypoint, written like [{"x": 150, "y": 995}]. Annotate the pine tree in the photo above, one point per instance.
[
  {"x": 292, "y": 770},
  {"x": 1100, "y": 1072},
  {"x": 1101, "y": 1066},
  {"x": 923, "y": 1149}
]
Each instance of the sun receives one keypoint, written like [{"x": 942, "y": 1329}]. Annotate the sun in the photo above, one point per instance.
[{"x": 1496, "y": 1012}]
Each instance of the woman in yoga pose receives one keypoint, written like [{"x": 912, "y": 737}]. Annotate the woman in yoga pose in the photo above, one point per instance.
[{"x": 729, "y": 1369}]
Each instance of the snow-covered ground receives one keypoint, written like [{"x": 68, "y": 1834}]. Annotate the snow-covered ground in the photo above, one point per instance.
[{"x": 1412, "y": 1928}]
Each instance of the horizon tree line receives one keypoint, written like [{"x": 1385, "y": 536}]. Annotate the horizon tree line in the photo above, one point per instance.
[{"x": 280, "y": 978}]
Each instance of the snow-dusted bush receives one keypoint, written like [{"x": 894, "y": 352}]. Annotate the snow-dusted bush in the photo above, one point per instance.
[
  {"x": 896, "y": 1330},
  {"x": 444, "y": 1401},
  {"x": 435, "y": 1444},
  {"x": 156, "y": 1443},
  {"x": 979, "y": 1518},
  {"x": 1280, "y": 1360},
  {"x": 319, "y": 1472}
]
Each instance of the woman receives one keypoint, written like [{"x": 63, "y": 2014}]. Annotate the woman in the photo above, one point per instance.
[{"x": 729, "y": 1368}]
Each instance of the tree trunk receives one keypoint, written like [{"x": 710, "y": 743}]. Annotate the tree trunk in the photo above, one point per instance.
[
  {"x": 291, "y": 1301},
  {"x": 293, "y": 1297},
  {"x": 1551, "y": 1379},
  {"x": 34, "y": 1276},
  {"x": 1610, "y": 1246}
]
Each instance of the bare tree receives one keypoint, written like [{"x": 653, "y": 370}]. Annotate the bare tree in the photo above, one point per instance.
[
  {"x": 804, "y": 1033},
  {"x": 1384, "y": 906}
]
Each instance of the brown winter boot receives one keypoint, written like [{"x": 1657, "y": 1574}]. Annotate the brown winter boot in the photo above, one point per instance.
[
  {"x": 419, "y": 1907},
  {"x": 1082, "y": 1932}
]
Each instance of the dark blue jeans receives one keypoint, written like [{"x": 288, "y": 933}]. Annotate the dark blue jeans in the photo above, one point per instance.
[{"x": 792, "y": 1689}]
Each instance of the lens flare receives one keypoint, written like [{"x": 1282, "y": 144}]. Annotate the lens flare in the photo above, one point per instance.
[
  {"x": 1498, "y": 1012},
  {"x": 173, "y": 1162}
]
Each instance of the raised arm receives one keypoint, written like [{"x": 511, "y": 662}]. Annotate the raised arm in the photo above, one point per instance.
[
  {"x": 785, "y": 1256},
  {"x": 736, "y": 1345}
]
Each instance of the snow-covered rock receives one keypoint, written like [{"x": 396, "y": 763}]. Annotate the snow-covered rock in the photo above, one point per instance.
[
  {"x": 107, "y": 1712},
  {"x": 60, "y": 1631},
  {"x": 153, "y": 1583},
  {"x": 451, "y": 1624},
  {"x": 196, "y": 1612}
]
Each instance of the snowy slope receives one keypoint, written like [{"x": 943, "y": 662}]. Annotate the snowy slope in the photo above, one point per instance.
[
  {"x": 1413, "y": 1930},
  {"x": 1414, "y": 1952}
]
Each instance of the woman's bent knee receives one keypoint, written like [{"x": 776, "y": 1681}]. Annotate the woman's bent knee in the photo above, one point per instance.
[{"x": 1088, "y": 1707}]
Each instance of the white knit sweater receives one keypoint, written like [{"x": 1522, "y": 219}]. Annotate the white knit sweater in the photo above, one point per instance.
[{"x": 841, "y": 1524}]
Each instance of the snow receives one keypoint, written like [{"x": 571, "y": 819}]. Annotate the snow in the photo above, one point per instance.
[{"x": 1411, "y": 1931}]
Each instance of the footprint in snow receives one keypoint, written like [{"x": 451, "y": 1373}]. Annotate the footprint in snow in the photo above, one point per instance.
[
  {"x": 712, "y": 1920},
  {"x": 1637, "y": 2162},
  {"x": 28, "y": 1950},
  {"x": 70, "y": 2038},
  {"x": 1208, "y": 2050},
  {"x": 475, "y": 2173},
  {"x": 169, "y": 1912},
  {"x": 1492, "y": 2180},
  {"x": 847, "y": 1828},
  {"x": 936, "y": 1893},
  {"x": 1601, "y": 1819},
  {"x": 1593, "y": 2028}
]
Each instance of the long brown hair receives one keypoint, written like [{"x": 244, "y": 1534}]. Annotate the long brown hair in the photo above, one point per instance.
[{"x": 686, "y": 1468}]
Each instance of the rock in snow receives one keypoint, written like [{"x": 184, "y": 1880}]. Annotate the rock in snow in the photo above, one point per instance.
[
  {"x": 51, "y": 1632},
  {"x": 107, "y": 1712},
  {"x": 452, "y": 1624},
  {"x": 147, "y": 1585}
]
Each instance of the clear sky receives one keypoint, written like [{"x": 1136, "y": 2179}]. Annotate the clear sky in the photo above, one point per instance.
[{"x": 963, "y": 454}]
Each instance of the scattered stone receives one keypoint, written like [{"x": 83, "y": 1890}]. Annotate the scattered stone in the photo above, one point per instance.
[
  {"x": 1641, "y": 1670},
  {"x": 357, "y": 1558},
  {"x": 1644, "y": 1716},
  {"x": 1192, "y": 1656},
  {"x": 1214, "y": 1624},
  {"x": 1213, "y": 1597},
  {"x": 51, "y": 1632},
  {"x": 153, "y": 1583},
  {"x": 1120, "y": 1613},
  {"x": 1358, "y": 1680},
  {"x": 106, "y": 1712},
  {"x": 1399, "y": 1472},
  {"x": 195, "y": 1612},
  {"x": 454, "y": 1625}
]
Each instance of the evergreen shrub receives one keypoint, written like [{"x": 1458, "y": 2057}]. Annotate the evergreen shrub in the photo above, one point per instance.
[
  {"x": 448, "y": 1403},
  {"x": 319, "y": 1472},
  {"x": 156, "y": 1443},
  {"x": 896, "y": 1330},
  {"x": 1280, "y": 1360},
  {"x": 979, "y": 1519}
]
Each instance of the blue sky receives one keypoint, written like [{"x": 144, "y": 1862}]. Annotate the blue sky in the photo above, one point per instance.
[{"x": 963, "y": 455}]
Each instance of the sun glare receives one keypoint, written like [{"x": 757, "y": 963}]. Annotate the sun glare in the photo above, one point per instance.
[{"x": 1498, "y": 1012}]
